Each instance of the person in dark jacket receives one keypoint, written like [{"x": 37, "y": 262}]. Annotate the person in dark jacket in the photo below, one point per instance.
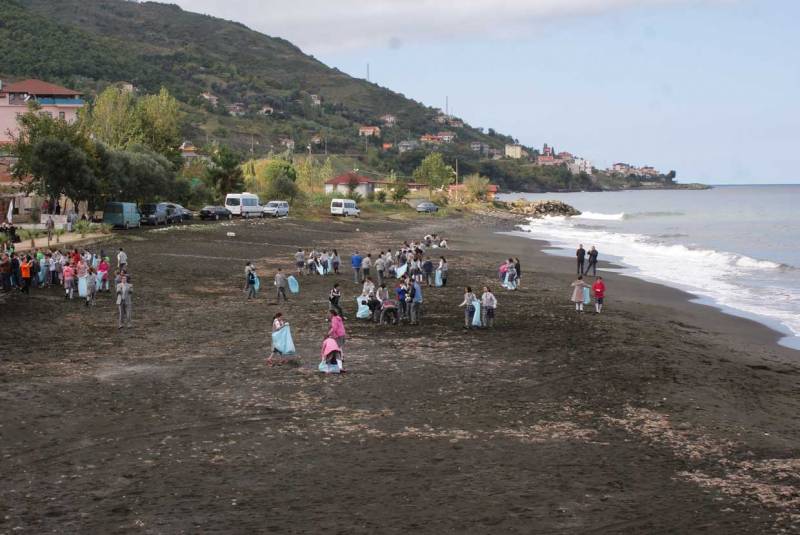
[{"x": 581, "y": 256}]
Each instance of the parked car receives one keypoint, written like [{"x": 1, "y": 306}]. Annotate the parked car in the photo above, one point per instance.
[
  {"x": 243, "y": 204},
  {"x": 344, "y": 207},
  {"x": 427, "y": 207},
  {"x": 179, "y": 213},
  {"x": 276, "y": 209},
  {"x": 215, "y": 212},
  {"x": 155, "y": 214},
  {"x": 122, "y": 215}
]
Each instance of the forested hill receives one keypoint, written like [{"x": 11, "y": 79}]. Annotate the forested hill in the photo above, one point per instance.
[{"x": 87, "y": 44}]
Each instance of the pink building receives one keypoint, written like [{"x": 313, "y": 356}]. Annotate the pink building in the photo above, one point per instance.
[{"x": 56, "y": 101}]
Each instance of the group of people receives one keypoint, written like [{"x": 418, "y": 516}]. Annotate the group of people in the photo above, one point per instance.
[
  {"x": 582, "y": 291},
  {"x": 81, "y": 273},
  {"x": 317, "y": 262}
]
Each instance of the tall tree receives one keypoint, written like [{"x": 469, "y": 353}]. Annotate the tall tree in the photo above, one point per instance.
[
  {"x": 225, "y": 171},
  {"x": 434, "y": 172},
  {"x": 158, "y": 118},
  {"x": 63, "y": 169},
  {"x": 113, "y": 118}
]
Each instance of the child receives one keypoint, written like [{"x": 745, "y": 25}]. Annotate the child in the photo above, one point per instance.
[
  {"x": 599, "y": 289},
  {"x": 69, "y": 276},
  {"x": 91, "y": 286},
  {"x": 577, "y": 293}
]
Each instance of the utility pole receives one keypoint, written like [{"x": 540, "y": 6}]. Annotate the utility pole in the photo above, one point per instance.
[
  {"x": 367, "y": 72},
  {"x": 447, "y": 106}
]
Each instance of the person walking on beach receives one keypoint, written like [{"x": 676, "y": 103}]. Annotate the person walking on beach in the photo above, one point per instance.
[
  {"x": 355, "y": 262},
  {"x": 366, "y": 265},
  {"x": 69, "y": 280},
  {"x": 581, "y": 256},
  {"x": 518, "y": 267},
  {"x": 122, "y": 260},
  {"x": 469, "y": 303},
  {"x": 416, "y": 303},
  {"x": 91, "y": 287},
  {"x": 250, "y": 280},
  {"x": 488, "y": 306},
  {"x": 299, "y": 261},
  {"x": 124, "y": 300},
  {"x": 592, "y": 262},
  {"x": 443, "y": 270},
  {"x": 599, "y": 290},
  {"x": 335, "y": 298},
  {"x": 337, "y": 332},
  {"x": 278, "y": 323},
  {"x": 281, "y": 284},
  {"x": 336, "y": 261},
  {"x": 25, "y": 272},
  {"x": 577, "y": 293}
]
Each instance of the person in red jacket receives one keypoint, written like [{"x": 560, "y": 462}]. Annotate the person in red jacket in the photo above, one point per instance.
[{"x": 599, "y": 289}]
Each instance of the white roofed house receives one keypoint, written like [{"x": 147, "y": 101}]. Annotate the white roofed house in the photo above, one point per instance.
[
  {"x": 237, "y": 110},
  {"x": 210, "y": 98},
  {"x": 389, "y": 120},
  {"x": 447, "y": 137},
  {"x": 407, "y": 145},
  {"x": 580, "y": 165},
  {"x": 316, "y": 100}
]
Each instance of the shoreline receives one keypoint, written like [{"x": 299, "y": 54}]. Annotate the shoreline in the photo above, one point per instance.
[{"x": 776, "y": 334}]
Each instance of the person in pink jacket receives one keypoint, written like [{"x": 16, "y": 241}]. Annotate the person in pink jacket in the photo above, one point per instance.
[
  {"x": 69, "y": 275},
  {"x": 337, "y": 331}
]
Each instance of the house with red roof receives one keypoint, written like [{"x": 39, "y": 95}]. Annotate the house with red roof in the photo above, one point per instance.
[
  {"x": 352, "y": 181},
  {"x": 54, "y": 100}
]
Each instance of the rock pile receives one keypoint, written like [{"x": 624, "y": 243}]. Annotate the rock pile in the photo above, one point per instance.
[{"x": 542, "y": 208}]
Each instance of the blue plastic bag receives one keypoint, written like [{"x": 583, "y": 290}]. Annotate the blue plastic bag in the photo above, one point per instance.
[
  {"x": 476, "y": 317},
  {"x": 294, "y": 286},
  {"x": 42, "y": 272},
  {"x": 363, "y": 309},
  {"x": 330, "y": 265},
  {"x": 329, "y": 368},
  {"x": 320, "y": 269},
  {"x": 257, "y": 283},
  {"x": 282, "y": 341},
  {"x": 400, "y": 271},
  {"x": 82, "y": 287},
  {"x": 438, "y": 280},
  {"x": 586, "y": 297}
]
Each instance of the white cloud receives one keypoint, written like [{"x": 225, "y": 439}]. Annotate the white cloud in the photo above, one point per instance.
[{"x": 328, "y": 26}]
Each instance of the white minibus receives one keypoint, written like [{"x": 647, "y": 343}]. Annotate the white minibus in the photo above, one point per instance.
[
  {"x": 344, "y": 207},
  {"x": 243, "y": 204}
]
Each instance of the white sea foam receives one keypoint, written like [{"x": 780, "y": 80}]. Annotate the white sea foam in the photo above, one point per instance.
[
  {"x": 601, "y": 217},
  {"x": 742, "y": 283}
]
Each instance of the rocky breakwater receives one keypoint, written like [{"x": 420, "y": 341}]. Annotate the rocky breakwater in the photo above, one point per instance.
[{"x": 539, "y": 209}]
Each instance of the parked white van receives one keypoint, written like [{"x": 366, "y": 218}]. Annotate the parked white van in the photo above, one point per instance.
[
  {"x": 243, "y": 204},
  {"x": 276, "y": 209},
  {"x": 344, "y": 207}
]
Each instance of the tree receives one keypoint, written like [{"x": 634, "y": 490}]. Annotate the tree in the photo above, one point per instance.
[
  {"x": 476, "y": 187},
  {"x": 225, "y": 172},
  {"x": 113, "y": 118},
  {"x": 434, "y": 172},
  {"x": 62, "y": 169},
  {"x": 283, "y": 188},
  {"x": 158, "y": 118},
  {"x": 308, "y": 176},
  {"x": 400, "y": 193},
  {"x": 327, "y": 171}
]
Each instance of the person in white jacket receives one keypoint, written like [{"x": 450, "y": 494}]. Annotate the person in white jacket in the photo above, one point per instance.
[{"x": 488, "y": 306}]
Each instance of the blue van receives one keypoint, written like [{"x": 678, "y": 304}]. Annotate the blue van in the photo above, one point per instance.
[{"x": 122, "y": 214}]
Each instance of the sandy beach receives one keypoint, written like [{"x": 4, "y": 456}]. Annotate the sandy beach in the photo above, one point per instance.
[{"x": 658, "y": 416}]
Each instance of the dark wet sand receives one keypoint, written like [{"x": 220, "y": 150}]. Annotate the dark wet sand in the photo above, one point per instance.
[{"x": 658, "y": 416}]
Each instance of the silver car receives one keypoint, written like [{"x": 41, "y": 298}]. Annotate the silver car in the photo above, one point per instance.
[
  {"x": 427, "y": 207},
  {"x": 276, "y": 209}
]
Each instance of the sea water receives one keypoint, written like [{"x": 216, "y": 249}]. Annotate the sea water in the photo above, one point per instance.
[{"x": 736, "y": 247}]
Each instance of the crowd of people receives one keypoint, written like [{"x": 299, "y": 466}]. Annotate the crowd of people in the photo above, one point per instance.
[{"x": 81, "y": 274}]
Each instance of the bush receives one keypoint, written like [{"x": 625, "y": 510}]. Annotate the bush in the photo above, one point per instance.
[
  {"x": 400, "y": 193},
  {"x": 441, "y": 198},
  {"x": 83, "y": 228},
  {"x": 381, "y": 196},
  {"x": 282, "y": 187}
]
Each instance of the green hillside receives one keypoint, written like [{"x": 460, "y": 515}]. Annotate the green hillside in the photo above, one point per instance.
[{"x": 87, "y": 44}]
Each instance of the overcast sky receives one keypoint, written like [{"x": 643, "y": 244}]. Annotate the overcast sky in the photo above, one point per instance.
[{"x": 710, "y": 88}]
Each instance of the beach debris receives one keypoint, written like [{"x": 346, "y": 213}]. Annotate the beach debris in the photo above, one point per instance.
[
  {"x": 538, "y": 209},
  {"x": 231, "y": 234}
]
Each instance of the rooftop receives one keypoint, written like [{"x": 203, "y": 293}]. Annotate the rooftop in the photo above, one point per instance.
[{"x": 39, "y": 88}]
